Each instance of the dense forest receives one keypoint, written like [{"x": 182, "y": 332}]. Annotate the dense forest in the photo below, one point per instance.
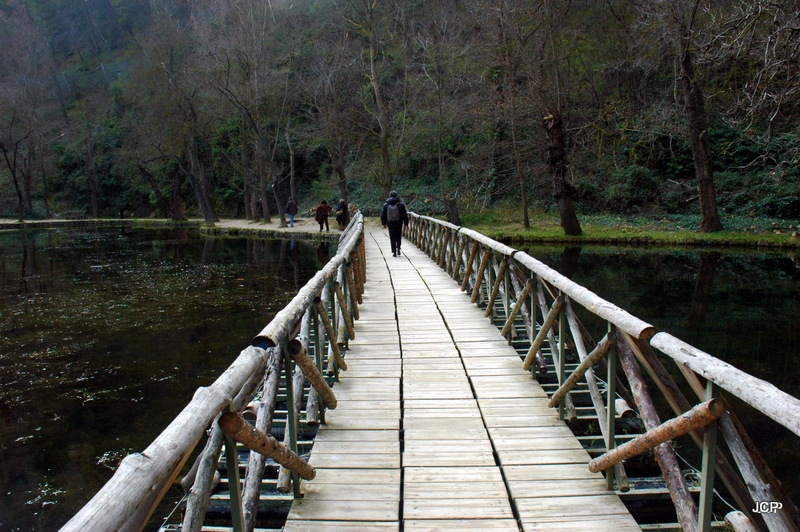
[{"x": 172, "y": 108}]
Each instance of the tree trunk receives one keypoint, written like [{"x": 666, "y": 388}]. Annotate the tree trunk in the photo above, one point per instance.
[
  {"x": 199, "y": 185},
  {"x": 563, "y": 190},
  {"x": 694, "y": 107},
  {"x": 90, "y": 181},
  {"x": 381, "y": 107}
]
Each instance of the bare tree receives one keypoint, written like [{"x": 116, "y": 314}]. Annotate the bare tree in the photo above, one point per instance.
[{"x": 682, "y": 15}]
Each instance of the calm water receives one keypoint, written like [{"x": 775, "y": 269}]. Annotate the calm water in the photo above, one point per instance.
[
  {"x": 740, "y": 307},
  {"x": 104, "y": 337}
]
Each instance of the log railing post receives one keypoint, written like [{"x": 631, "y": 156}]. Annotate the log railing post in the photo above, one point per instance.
[
  {"x": 291, "y": 412},
  {"x": 240, "y": 430},
  {"x": 665, "y": 456},
  {"x": 479, "y": 277},
  {"x": 611, "y": 403},
  {"x": 552, "y": 315},
  {"x": 704, "y": 510},
  {"x": 501, "y": 276},
  {"x": 457, "y": 261},
  {"x": 702, "y": 415},
  {"x": 323, "y": 315},
  {"x": 234, "y": 483},
  {"x": 517, "y": 307},
  {"x": 469, "y": 265},
  {"x": 561, "y": 352}
]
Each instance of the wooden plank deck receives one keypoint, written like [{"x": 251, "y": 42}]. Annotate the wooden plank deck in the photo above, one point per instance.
[{"x": 439, "y": 427}]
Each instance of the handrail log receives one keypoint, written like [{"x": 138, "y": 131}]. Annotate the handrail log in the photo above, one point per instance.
[
  {"x": 600, "y": 351},
  {"x": 488, "y": 242},
  {"x": 588, "y": 299},
  {"x": 285, "y": 320},
  {"x": 761, "y": 395},
  {"x": 117, "y": 501},
  {"x": 301, "y": 358},
  {"x": 429, "y": 219},
  {"x": 558, "y": 304},
  {"x": 235, "y": 426},
  {"x": 696, "y": 418}
]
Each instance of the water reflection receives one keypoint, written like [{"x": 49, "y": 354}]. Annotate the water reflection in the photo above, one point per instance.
[{"x": 105, "y": 335}]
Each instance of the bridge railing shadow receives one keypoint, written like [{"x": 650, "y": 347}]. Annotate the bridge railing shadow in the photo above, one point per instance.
[
  {"x": 322, "y": 313},
  {"x": 539, "y": 306}
]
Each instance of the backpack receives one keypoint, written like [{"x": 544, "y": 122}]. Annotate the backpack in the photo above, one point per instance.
[{"x": 393, "y": 213}]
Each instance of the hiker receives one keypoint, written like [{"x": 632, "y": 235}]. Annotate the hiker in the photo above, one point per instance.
[
  {"x": 394, "y": 216},
  {"x": 323, "y": 210},
  {"x": 342, "y": 215},
  {"x": 291, "y": 210}
]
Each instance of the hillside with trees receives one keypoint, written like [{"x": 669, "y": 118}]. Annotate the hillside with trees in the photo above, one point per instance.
[{"x": 170, "y": 108}]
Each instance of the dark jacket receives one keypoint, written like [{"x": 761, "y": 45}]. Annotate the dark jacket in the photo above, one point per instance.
[
  {"x": 400, "y": 205},
  {"x": 291, "y": 207},
  {"x": 323, "y": 210},
  {"x": 342, "y": 213}
]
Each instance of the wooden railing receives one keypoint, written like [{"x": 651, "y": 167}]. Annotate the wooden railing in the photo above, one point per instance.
[
  {"x": 511, "y": 283},
  {"x": 322, "y": 311}
]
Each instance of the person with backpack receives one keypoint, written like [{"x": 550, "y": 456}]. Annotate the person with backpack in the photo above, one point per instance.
[{"x": 394, "y": 216}]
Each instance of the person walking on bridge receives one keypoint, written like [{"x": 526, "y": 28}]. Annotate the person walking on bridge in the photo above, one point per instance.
[{"x": 394, "y": 216}]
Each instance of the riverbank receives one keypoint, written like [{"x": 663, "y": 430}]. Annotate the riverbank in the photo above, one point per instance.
[
  {"x": 667, "y": 230},
  {"x": 304, "y": 229}
]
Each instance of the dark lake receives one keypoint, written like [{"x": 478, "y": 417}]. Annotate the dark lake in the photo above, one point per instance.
[
  {"x": 104, "y": 337},
  {"x": 106, "y": 334}
]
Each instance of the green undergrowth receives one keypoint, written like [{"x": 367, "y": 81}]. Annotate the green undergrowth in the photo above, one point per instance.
[{"x": 672, "y": 230}]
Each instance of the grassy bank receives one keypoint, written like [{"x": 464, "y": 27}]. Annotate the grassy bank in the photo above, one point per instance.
[{"x": 671, "y": 230}]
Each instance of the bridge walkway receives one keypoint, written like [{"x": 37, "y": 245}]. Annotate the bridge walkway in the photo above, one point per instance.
[{"x": 438, "y": 427}]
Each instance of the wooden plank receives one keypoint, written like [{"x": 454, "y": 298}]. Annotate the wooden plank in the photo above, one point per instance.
[
  {"x": 536, "y": 444},
  {"x": 357, "y": 447},
  {"x": 327, "y": 434},
  {"x": 556, "y": 488},
  {"x": 542, "y": 457},
  {"x": 464, "y": 490},
  {"x": 449, "y": 474},
  {"x": 357, "y": 476},
  {"x": 457, "y": 509},
  {"x": 297, "y": 525},
  {"x": 550, "y": 472},
  {"x": 580, "y": 507},
  {"x": 419, "y": 458},
  {"x": 467, "y": 525},
  {"x": 324, "y": 510},
  {"x": 350, "y": 492},
  {"x": 356, "y": 461},
  {"x": 585, "y": 524}
]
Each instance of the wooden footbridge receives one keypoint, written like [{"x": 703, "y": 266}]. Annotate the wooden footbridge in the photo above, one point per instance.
[{"x": 405, "y": 392}]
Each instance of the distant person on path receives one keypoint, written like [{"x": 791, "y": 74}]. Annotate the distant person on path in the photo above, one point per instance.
[
  {"x": 342, "y": 216},
  {"x": 323, "y": 211},
  {"x": 394, "y": 216},
  {"x": 291, "y": 210}
]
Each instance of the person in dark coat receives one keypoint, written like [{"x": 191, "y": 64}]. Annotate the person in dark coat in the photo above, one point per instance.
[
  {"x": 394, "y": 216},
  {"x": 323, "y": 211},
  {"x": 291, "y": 210},
  {"x": 342, "y": 216}
]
